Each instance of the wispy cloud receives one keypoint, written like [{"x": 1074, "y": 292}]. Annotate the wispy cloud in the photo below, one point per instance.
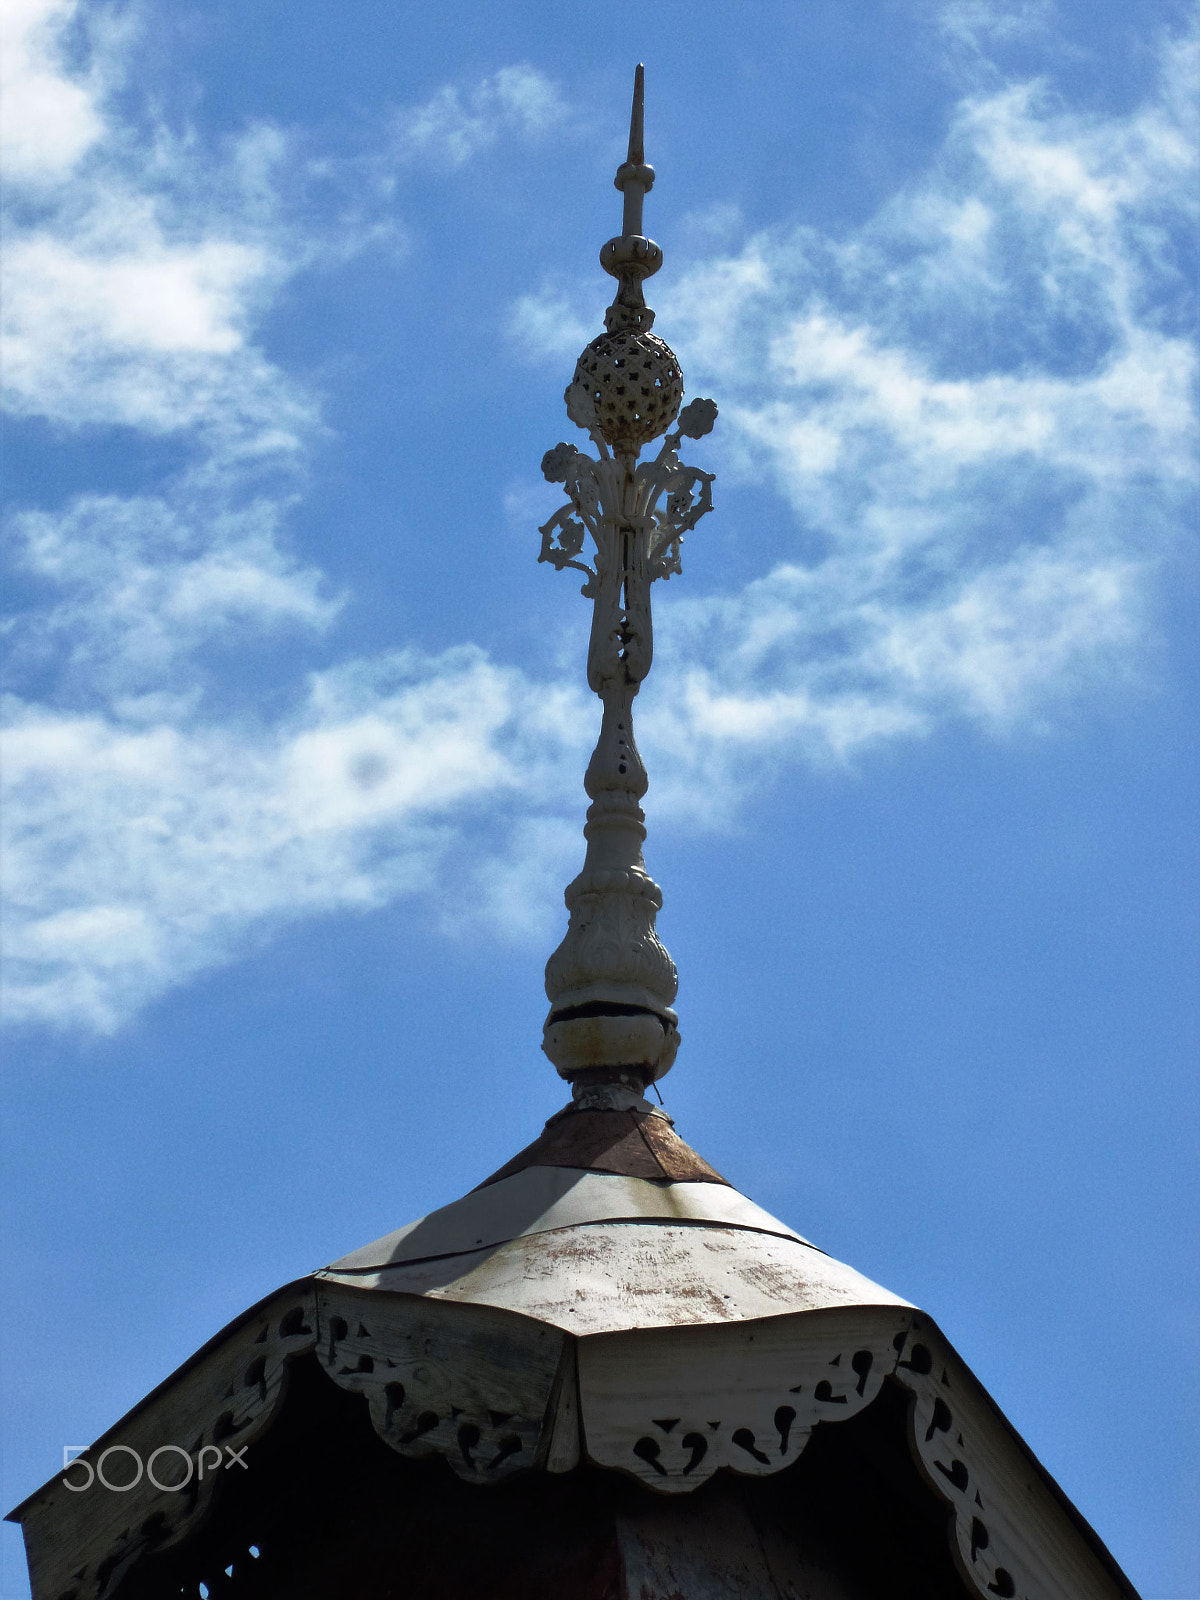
[
  {"x": 973, "y": 411},
  {"x": 140, "y": 855},
  {"x": 133, "y": 269},
  {"x": 150, "y": 834},
  {"x": 140, "y": 584},
  {"x": 48, "y": 119},
  {"x": 458, "y": 122},
  {"x": 979, "y": 409},
  {"x": 977, "y": 26},
  {"x": 548, "y": 327}
]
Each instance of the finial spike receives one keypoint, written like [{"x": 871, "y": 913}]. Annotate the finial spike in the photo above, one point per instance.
[
  {"x": 632, "y": 257},
  {"x": 637, "y": 140},
  {"x": 612, "y": 1027}
]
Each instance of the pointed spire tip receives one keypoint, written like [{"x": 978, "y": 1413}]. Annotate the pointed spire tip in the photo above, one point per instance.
[
  {"x": 637, "y": 142},
  {"x": 632, "y": 257}
]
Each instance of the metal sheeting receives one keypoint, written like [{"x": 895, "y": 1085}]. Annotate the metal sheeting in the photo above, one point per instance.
[
  {"x": 542, "y": 1199},
  {"x": 611, "y": 1276}
]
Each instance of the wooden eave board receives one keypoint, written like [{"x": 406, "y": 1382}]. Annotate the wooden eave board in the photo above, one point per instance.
[{"x": 750, "y": 1391}]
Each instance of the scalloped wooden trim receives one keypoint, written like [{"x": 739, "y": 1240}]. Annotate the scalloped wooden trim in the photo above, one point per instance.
[
  {"x": 81, "y": 1544},
  {"x": 496, "y": 1393},
  {"x": 465, "y": 1382},
  {"x": 671, "y": 1406}
]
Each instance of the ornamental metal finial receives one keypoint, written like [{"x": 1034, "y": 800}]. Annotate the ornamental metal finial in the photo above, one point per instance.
[{"x": 612, "y": 1029}]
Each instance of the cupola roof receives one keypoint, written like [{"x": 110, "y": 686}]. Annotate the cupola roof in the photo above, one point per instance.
[{"x": 604, "y": 1305}]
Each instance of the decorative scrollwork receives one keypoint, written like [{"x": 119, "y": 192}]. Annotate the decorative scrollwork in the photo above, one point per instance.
[
  {"x": 743, "y": 1399},
  {"x": 955, "y": 1442},
  {"x": 688, "y": 493},
  {"x": 562, "y": 542},
  {"x": 611, "y": 983},
  {"x": 671, "y": 1407},
  {"x": 466, "y": 1385},
  {"x": 637, "y": 517},
  {"x": 563, "y": 534},
  {"x": 83, "y": 1541},
  {"x": 662, "y": 500}
]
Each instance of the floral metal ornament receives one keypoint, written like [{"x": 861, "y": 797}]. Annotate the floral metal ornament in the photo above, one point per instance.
[{"x": 612, "y": 1029}]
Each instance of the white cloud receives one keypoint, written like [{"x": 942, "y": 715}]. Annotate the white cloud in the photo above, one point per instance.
[
  {"x": 546, "y": 327},
  {"x": 139, "y": 856},
  {"x": 123, "y": 307},
  {"x": 979, "y": 408},
  {"x": 133, "y": 264},
  {"x": 150, "y": 834},
  {"x": 457, "y": 123},
  {"x": 150, "y": 298},
  {"x": 977, "y": 26},
  {"x": 514, "y": 894},
  {"x": 48, "y": 119},
  {"x": 974, "y": 411},
  {"x": 140, "y": 583},
  {"x": 713, "y": 227}
]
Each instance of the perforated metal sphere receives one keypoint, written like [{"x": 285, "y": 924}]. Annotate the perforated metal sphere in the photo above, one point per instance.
[{"x": 635, "y": 384}]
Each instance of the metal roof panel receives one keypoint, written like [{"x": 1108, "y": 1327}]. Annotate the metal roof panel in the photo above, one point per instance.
[
  {"x": 608, "y": 1276},
  {"x": 540, "y": 1199}
]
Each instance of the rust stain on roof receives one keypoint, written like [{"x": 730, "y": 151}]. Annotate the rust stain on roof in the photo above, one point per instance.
[{"x": 631, "y": 1144}]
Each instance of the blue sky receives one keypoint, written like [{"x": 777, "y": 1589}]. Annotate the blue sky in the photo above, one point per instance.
[{"x": 297, "y": 725}]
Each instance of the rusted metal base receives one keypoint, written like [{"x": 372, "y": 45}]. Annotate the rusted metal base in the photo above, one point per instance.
[{"x": 634, "y": 1144}]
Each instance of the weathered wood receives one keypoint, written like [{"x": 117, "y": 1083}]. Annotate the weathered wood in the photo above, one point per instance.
[
  {"x": 186, "y": 1435},
  {"x": 1015, "y": 1532},
  {"x": 709, "y": 1549},
  {"x": 469, "y": 1383},
  {"x": 478, "y": 1386},
  {"x": 496, "y": 1394},
  {"x": 670, "y": 1407},
  {"x": 564, "y": 1442},
  {"x": 328, "y": 1511}
]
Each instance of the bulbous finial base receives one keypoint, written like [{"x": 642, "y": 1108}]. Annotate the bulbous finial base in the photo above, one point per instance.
[
  {"x": 637, "y": 1048},
  {"x": 611, "y": 984}
]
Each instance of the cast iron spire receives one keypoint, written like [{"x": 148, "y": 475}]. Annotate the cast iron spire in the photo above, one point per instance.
[{"x": 612, "y": 1029}]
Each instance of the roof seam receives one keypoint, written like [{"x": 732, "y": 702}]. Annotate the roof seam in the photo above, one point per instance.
[
  {"x": 592, "y": 1222},
  {"x": 654, "y": 1154}
]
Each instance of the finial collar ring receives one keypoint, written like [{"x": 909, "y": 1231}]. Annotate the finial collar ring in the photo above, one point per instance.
[
  {"x": 635, "y": 172},
  {"x": 631, "y": 255}
]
